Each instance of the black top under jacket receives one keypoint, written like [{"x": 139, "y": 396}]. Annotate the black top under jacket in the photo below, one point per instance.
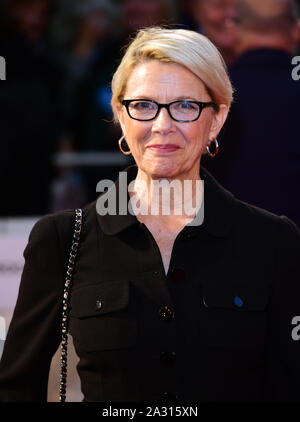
[{"x": 222, "y": 325}]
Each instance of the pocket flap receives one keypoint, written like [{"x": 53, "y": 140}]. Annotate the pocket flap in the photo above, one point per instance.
[
  {"x": 99, "y": 299},
  {"x": 235, "y": 296}
]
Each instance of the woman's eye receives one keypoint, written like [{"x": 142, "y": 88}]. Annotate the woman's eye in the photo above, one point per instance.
[
  {"x": 185, "y": 105},
  {"x": 143, "y": 105}
]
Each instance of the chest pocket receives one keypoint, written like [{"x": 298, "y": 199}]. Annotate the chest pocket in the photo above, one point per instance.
[
  {"x": 233, "y": 314},
  {"x": 102, "y": 317}
]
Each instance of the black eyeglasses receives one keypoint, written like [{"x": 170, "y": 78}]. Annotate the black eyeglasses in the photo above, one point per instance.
[{"x": 180, "y": 111}]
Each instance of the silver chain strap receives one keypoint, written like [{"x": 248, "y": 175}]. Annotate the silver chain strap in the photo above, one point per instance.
[{"x": 66, "y": 301}]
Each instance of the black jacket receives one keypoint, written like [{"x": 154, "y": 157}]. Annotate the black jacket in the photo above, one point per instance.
[{"x": 219, "y": 326}]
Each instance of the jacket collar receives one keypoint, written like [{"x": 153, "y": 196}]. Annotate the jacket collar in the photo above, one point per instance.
[{"x": 219, "y": 207}]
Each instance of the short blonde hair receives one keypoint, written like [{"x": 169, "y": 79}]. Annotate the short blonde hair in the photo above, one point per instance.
[{"x": 187, "y": 48}]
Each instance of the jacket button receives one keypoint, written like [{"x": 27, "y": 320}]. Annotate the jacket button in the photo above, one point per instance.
[
  {"x": 99, "y": 305},
  {"x": 166, "y": 313},
  {"x": 177, "y": 275},
  {"x": 168, "y": 358}
]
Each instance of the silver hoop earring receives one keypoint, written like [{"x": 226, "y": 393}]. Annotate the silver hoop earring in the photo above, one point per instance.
[
  {"x": 213, "y": 154},
  {"x": 120, "y": 146}
]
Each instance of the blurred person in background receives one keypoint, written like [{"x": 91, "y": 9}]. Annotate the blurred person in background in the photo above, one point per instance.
[
  {"x": 262, "y": 131},
  {"x": 137, "y": 14},
  {"x": 91, "y": 130},
  {"x": 29, "y": 109},
  {"x": 83, "y": 33},
  {"x": 87, "y": 41},
  {"x": 31, "y": 17},
  {"x": 297, "y": 12},
  {"x": 216, "y": 20},
  {"x": 186, "y": 14}
]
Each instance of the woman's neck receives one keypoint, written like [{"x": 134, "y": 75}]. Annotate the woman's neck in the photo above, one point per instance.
[{"x": 177, "y": 196}]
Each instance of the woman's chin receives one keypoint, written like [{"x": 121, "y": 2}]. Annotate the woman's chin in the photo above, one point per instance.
[{"x": 162, "y": 170}]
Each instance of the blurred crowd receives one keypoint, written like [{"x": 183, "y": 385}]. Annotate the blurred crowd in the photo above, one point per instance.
[{"x": 61, "y": 55}]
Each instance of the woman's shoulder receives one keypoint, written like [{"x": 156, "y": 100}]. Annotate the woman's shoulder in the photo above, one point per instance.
[
  {"x": 250, "y": 221},
  {"x": 259, "y": 220},
  {"x": 48, "y": 225},
  {"x": 58, "y": 225},
  {"x": 263, "y": 216}
]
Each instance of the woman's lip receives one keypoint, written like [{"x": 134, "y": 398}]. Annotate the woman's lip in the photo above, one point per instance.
[{"x": 164, "y": 147}]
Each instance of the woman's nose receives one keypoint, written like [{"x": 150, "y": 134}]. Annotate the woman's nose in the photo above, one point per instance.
[{"x": 163, "y": 122}]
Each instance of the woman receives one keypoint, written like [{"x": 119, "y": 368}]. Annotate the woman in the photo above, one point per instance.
[{"x": 164, "y": 306}]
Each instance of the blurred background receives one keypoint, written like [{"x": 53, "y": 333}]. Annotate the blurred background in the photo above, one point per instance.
[{"x": 57, "y": 135}]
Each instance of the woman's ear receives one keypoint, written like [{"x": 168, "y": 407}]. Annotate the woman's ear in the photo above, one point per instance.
[
  {"x": 119, "y": 110},
  {"x": 218, "y": 120}
]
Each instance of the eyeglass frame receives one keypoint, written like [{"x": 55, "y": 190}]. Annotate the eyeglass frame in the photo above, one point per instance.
[{"x": 201, "y": 105}]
